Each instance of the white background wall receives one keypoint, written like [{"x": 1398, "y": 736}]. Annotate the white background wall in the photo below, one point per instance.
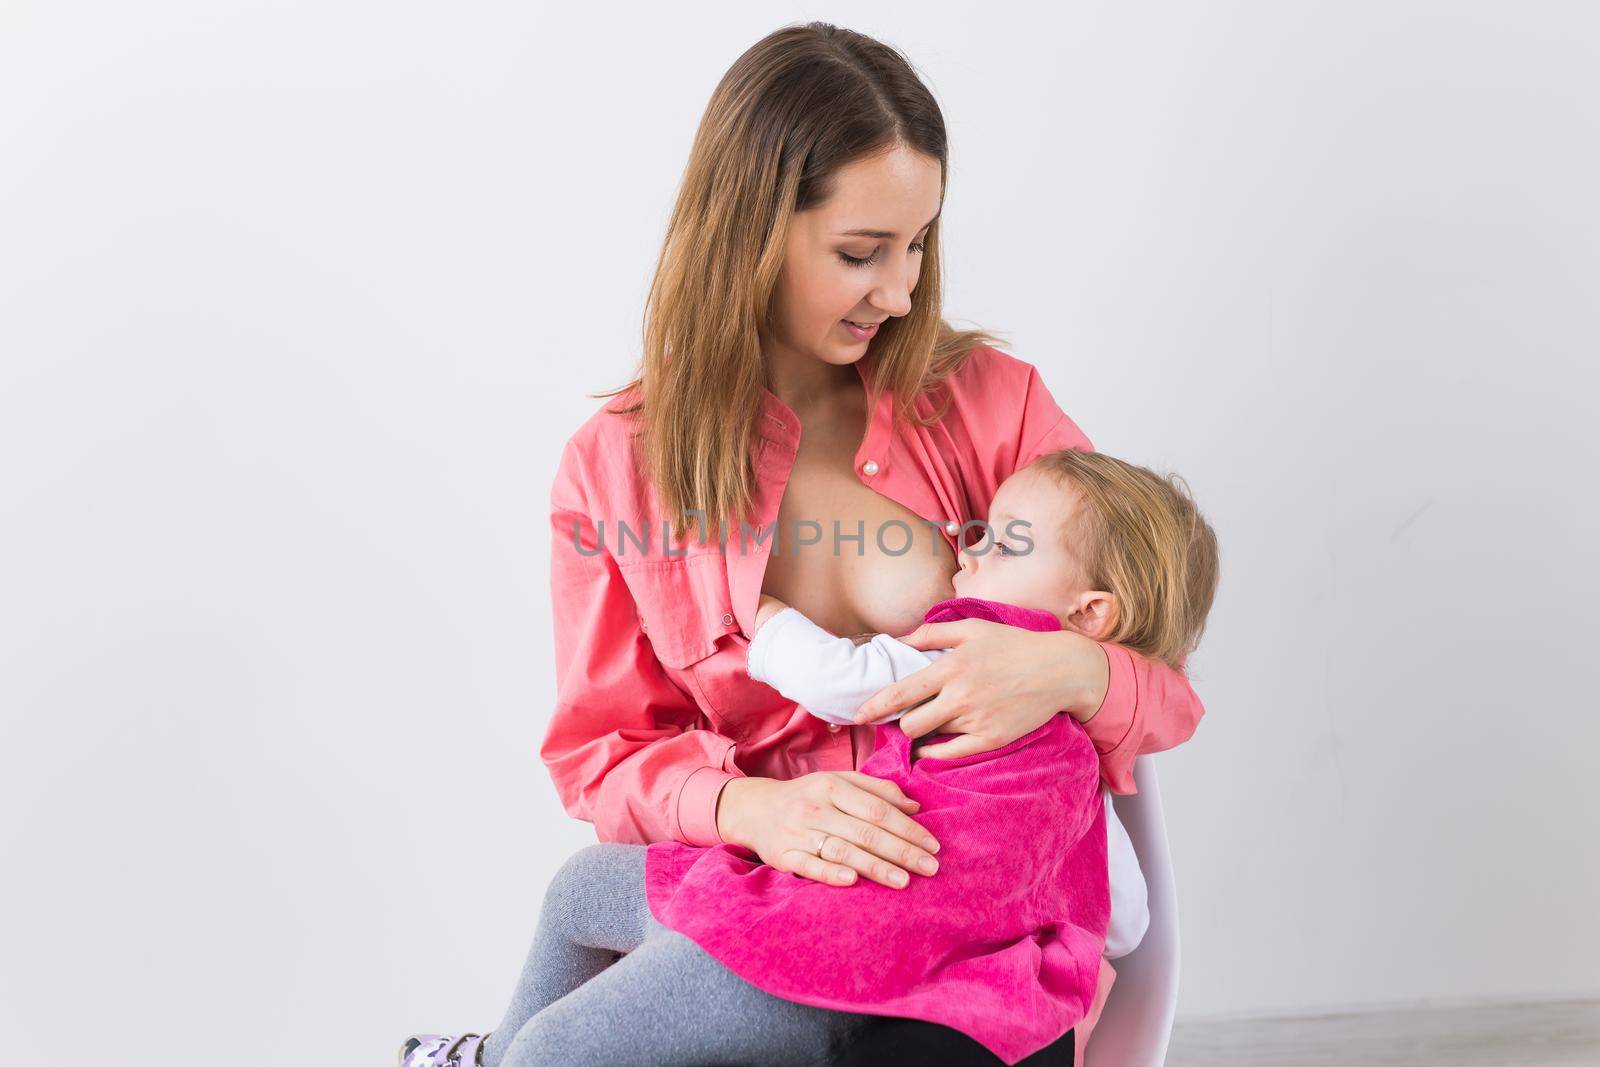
[{"x": 298, "y": 302}]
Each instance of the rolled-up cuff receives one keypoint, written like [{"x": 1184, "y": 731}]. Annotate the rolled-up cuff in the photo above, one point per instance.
[{"x": 697, "y": 806}]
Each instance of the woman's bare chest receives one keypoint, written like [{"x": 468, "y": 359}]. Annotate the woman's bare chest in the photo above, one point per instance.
[{"x": 850, "y": 558}]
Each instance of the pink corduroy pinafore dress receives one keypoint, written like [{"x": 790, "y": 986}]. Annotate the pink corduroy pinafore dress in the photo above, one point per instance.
[{"x": 1003, "y": 943}]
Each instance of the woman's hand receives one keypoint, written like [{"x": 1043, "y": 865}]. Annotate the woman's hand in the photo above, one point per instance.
[
  {"x": 999, "y": 683},
  {"x": 864, "y": 819}
]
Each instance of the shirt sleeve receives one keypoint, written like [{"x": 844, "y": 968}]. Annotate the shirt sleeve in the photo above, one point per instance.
[
  {"x": 625, "y": 745},
  {"x": 829, "y": 676},
  {"x": 1148, "y": 706},
  {"x": 1044, "y": 427}
]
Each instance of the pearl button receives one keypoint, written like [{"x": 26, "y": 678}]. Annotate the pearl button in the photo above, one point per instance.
[
  {"x": 870, "y": 466},
  {"x": 727, "y": 620},
  {"x": 833, "y": 727},
  {"x": 952, "y": 527}
]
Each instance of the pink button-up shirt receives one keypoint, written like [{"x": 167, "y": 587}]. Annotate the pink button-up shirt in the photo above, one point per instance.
[{"x": 655, "y": 712}]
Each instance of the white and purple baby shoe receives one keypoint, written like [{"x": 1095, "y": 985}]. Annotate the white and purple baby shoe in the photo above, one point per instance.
[{"x": 443, "y": 1050}]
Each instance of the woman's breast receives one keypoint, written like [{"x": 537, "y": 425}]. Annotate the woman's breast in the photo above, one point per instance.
[{"x": 880, "y": 574}]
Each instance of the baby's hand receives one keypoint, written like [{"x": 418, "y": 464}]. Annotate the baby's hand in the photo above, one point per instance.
[{"x": 767, "y": 607}]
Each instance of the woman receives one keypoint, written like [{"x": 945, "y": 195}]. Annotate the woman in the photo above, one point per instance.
[{"x": 804, "y": 411}]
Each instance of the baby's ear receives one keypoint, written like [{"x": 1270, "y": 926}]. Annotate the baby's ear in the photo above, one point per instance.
[{"x": 1094, "y": 614}]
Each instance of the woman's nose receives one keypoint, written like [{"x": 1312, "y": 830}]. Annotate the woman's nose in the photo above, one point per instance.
[{"x": 894, "y": 299}]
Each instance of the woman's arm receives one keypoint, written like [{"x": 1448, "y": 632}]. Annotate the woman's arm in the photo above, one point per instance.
[
  {"x": 625, "y": 747},
  {"x": 1000, "y": 682},
  {"x": 1148, "y": 707}
]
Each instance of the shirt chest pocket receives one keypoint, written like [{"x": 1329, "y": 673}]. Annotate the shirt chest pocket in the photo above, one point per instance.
[
  {"x": 687, "y": 614},
  {"x": 684, "y": 607}
]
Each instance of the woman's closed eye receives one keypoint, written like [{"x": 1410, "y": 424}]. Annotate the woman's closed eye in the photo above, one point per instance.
[{"x": 915, "y": 249}]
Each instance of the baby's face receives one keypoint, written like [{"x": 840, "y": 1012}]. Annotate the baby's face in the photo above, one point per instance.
[{"x": 1028, "y": 507}]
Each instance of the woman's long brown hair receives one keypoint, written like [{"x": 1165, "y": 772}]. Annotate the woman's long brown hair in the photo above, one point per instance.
[{"x": 796, "y": 107}]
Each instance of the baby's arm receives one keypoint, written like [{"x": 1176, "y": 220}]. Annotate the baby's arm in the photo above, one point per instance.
[{"x": 829, "y": 676}]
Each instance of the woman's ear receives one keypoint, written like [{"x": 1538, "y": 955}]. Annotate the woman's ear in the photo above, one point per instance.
[{"x": 1094, "y": 614}]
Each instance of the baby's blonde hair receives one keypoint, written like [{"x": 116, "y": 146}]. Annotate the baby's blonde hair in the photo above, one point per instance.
[{"x": 1141, "y": 538}]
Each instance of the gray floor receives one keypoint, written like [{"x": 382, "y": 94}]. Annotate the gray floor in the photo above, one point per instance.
[{"x": 1552, "y": 1034}]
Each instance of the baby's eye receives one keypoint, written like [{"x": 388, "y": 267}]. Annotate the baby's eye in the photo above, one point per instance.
[{"x": 1002, "y": 549}]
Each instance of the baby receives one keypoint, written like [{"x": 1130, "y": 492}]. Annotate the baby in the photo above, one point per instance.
[{"x": 672, "y": 954}]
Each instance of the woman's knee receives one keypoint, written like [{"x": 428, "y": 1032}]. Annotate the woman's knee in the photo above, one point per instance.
[{"x": 590, "y": 870}]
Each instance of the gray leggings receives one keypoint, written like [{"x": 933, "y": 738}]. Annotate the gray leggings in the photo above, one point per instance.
[{"x": 605, "y": 983}]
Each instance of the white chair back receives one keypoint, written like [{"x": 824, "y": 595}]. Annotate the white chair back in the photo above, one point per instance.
[{"x": 1136, "y": 1023}]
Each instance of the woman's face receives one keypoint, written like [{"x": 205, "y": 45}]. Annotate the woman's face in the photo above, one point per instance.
[{"x": 856, "y": 257}]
